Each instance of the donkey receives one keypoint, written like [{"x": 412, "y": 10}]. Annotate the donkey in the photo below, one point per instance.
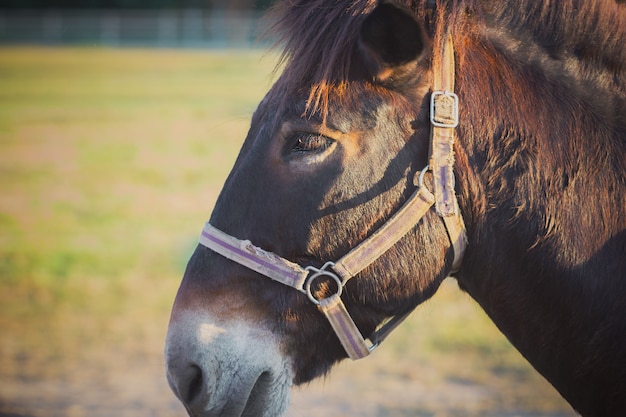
[{"x": 404, "y": 142}]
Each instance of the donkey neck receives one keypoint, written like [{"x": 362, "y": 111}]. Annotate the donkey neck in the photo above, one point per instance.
[{"x": 542, "y": 191}]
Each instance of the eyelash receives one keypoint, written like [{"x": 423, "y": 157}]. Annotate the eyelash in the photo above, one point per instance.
[{"x": 310, "y": 142}]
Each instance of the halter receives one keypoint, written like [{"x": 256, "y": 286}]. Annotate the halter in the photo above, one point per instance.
[{"x": 444, "y": 119}]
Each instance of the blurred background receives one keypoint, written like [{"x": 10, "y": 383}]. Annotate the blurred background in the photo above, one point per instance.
[
  {"x": 139, "y": 23},
  {"x": 119, "y": 121}
]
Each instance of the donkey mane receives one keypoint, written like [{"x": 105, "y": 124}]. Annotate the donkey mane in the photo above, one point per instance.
[
  {"x": 592, "y": 31},
  {"x": 319, "y": 37}
]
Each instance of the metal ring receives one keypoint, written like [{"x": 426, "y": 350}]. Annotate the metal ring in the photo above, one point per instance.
[
  {"x": 420, "y": 181},
  {"x": 319, "y": 273}
]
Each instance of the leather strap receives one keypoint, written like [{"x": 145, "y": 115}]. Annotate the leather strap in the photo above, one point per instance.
[
  {"x": 455, "y": 226},
  {"x": 384, "y": 238},
  {"x": 245, "y": 253},
  {"x": 349, "y": 335},
  {"x": 444, "y": 119}
]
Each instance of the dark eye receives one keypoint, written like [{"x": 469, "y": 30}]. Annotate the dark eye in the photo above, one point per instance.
[{"x": 310, "y": 142}]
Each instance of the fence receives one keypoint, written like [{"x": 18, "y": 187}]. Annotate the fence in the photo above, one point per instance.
[{"x": 193, "y": 28}]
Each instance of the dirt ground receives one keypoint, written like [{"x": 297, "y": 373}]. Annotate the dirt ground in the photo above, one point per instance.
[
  {"x": 143, "y": 392},
  {"x": 116, "y": 369},
  {"x": 136, "y": 387}
]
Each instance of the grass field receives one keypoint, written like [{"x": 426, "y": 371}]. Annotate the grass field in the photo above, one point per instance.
[{"x": 110, "y": 161}]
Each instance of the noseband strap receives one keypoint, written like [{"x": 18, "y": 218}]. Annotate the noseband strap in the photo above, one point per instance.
[
  {"x": 444, "y": 118},
  {"x": 245, "y": 253}
]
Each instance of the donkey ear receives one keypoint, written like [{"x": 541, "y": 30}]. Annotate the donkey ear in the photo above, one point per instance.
[{"x": 390, "y": 38}]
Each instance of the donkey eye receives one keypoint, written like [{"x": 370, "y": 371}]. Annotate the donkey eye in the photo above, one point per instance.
[{"x": 310, "y": 142}]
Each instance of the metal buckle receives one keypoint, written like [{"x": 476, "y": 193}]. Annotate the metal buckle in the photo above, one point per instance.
[
  {"x": 320, "y": 273},
  {"x": 450, "y": 120}
]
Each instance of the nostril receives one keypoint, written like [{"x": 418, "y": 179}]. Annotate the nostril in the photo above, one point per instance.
[{"x": 193, "y": 387}]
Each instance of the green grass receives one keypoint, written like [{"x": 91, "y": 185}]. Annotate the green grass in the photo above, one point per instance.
[{"x": 110, "y": 162}]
